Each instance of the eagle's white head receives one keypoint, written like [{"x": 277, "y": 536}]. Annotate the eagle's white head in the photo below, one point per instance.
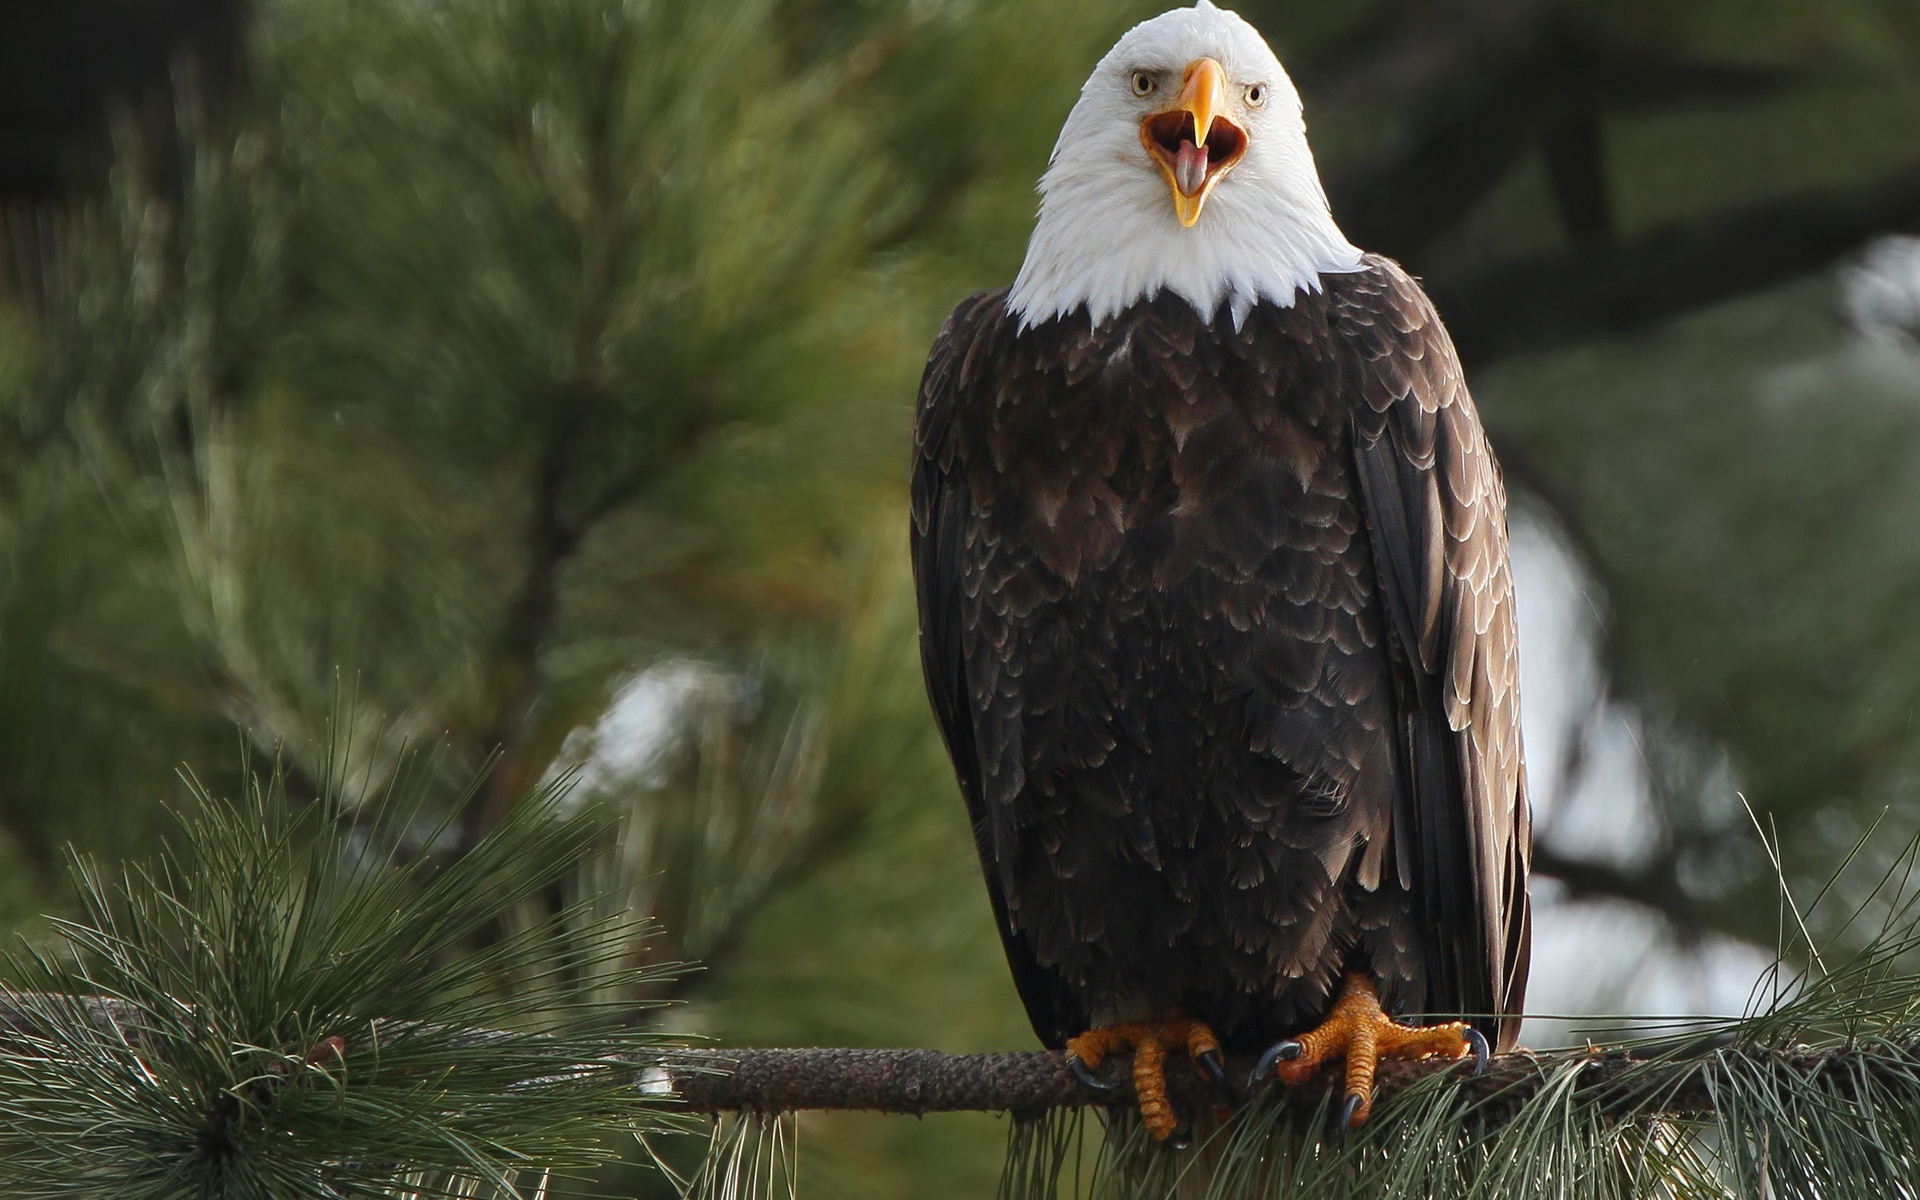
[{"x": 1183, "y": 166}]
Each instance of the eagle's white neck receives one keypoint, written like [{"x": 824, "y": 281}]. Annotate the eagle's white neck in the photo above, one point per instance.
[
  {"x": 1104, "y": 249},
  {"x": 1107, "y": 236}
]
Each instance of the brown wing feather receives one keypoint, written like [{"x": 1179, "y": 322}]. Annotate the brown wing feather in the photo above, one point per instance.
[
  {"x": 937, "y": 537},
  {"x": 1437, "y": 513}
]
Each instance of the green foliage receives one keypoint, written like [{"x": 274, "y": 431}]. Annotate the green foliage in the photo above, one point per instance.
[
  {"x": 300, "y": 1002},
  {"x": 594, "y": 224}
]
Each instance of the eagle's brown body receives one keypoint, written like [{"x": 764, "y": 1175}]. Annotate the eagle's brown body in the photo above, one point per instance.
[{"x": 1219, "y": 629}]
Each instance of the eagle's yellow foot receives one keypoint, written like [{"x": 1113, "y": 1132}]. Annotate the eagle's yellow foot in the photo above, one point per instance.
[
  {"x": 1149, "y": 1040},
  {"x": 1361, "y": 1032}
]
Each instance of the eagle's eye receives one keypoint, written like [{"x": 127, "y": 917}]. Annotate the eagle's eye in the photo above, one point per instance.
[
  {"x": 1143, "y": 83},
  {"x": 1256, "y": 95}
]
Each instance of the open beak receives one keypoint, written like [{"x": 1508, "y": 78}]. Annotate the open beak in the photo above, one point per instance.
[{"x": 1194, "y": 145}]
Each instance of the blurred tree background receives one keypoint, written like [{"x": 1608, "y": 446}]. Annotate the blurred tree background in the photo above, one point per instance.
[{"x": 533, "y": 378}]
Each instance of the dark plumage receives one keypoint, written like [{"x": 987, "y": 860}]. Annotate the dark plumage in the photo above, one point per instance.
[{"x": 1218, "y": 627}]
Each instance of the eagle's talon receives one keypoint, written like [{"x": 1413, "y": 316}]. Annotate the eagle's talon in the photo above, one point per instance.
[
  {"x": 1087, "y": 1079},
  {"x": 1481, "y": 1051},
  {"x": 1360, "y": 1032},
  {"x": 1276, "y": 1053},
  {"x": 1352, "y": 1106},
  {"x": 1215, "y": 1068},
  {"x": 1150, "y": 1042}
]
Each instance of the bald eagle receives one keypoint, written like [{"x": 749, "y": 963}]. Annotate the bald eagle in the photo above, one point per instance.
[{"x": 1215, "y": 610}]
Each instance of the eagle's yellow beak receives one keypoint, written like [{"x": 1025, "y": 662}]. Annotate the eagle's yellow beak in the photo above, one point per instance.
[{"x": 1193, "y": 145}]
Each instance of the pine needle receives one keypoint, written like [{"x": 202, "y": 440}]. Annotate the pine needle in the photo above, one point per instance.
[{"x": 288, "y": 1005}]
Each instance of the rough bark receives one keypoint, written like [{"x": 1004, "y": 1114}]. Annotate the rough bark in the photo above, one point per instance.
[{"x": 924, "y": 1081}]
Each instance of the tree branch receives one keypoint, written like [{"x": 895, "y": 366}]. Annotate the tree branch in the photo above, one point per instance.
[
  {"x": 519, "y": 681},
  {"x": 1681, "y": 1083},
  {"x": 1555, "y": 299},
  {"x": 925, "y": 1081},
  {"x": 1024, "y": 1082},
  {"x": 1490, "y": 99},
  {"x": 1655, "y": 885}
]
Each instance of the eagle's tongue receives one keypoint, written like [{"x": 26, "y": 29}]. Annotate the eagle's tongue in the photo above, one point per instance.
[{"x": 1190, "y": 168}]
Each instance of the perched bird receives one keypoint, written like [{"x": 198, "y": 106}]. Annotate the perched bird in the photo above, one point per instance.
[{"x": 1215, "y": 610}]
